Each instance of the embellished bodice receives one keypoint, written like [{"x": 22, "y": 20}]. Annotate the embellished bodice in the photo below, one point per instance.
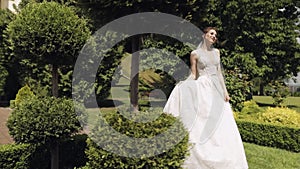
[{"x": 207, "y": 62}]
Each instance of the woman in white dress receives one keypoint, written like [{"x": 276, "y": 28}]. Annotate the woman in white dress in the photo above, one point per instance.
[{"x": 202, "y": 103}]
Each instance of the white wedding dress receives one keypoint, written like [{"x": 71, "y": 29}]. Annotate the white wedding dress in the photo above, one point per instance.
[{"x": 200, "y": 104}]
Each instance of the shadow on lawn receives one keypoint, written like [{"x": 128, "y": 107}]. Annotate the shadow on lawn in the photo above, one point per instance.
[
  {"x": 265, "y": 104},
  {"x": 272, "y": 105}
]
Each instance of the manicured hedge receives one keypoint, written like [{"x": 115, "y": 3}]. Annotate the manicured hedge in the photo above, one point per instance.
[
  {"x": 100, "y": 157},
  {"x": 26, "y": 156},
  {"x": 282, "y": 137},
  {"x": 14, "y": 156}
]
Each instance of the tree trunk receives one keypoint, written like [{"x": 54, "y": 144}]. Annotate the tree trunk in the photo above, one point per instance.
[
  {"x": 134, "y": 77},
  {"x": 261, "y": 89},
  {"x": 55, "y": 80},
  {"x": 55, "y": 156}
]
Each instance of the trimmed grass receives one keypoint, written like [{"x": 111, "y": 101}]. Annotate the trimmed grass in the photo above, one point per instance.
[
  {"x": 290, "y": 102},
  {"x": 260, "y": 157}
]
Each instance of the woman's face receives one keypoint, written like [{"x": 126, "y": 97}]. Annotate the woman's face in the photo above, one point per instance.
[{"x": 211, "y": 36}]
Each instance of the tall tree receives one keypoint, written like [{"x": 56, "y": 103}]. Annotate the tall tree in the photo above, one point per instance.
[{"x": 260, "y": 38}]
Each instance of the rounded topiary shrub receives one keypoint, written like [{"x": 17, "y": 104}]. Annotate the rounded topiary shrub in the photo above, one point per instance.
[
  {"x": 281, "y": 116},
  {"x": 251, "y": 107},
  {"x": 137, "y": 140}
]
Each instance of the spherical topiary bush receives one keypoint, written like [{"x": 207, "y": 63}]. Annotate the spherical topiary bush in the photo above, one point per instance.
[
  {"x": 136, "y": 141},
  {"x": 44, "y": 121},
  {"x": 251, "y": 107}
]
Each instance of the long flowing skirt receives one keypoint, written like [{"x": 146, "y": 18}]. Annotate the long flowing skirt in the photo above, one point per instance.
[{"x": 213, "y": 133}]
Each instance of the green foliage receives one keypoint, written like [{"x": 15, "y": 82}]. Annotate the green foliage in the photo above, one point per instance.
[
  {"x": 251, "y": 107},
  {"x": 99, "y": 157},
  {"x": 47, "y": 33},
  {"x": 104, "y": 75},
  {"x": 238, "y": 87},
  {"x": 29, "y": 156},
  {"x": 263, "y": 45},
  {"x": 151, "y": 80},
  {"x": 44, "y": 36},
  {"x": 9, "y": 84},
  {"x": 3, "y": 77},
  {"x": 43, "y": 120},
  {"x": 280, "y": 93},
  {"x": 6, "y": 16},
  {"x": 24, "y": 94},
  {"x": 71, "y": 153},
  {"x": 14, "y": 156},
  {"x": 281, "y": 116},
  {"x": 270, "y": 135}
]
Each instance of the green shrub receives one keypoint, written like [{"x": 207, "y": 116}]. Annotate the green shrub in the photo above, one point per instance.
[
  {"x": 280, "y": 92},
  {"x": 250, "y": 107},
  {"x": 238, "y": 87},
  {"x": 14, "y": 156},
  {"x": 281, "y": 116},
  {"x": 23, "y": 156},
  {"x": 72, "y": 152},
  {"x": 270, "y": 135},
  {"x": 23, "y": 95},
  {"x": 104, "y": 156}
]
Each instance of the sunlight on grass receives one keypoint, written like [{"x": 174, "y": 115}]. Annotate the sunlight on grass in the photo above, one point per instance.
[
  {"x": 290, "y": 102},
  {"x": 260, "y": 157}
]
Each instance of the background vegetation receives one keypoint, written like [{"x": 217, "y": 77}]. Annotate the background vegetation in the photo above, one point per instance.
[{"x": 39, "y": 47}]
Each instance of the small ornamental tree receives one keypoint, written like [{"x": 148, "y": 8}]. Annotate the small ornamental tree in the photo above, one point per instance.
[
  {"x": 44, "y": 120},
  {"x": 47, "y": 33}
]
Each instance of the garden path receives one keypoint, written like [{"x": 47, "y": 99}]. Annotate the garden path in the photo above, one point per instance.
[{"x": 5, "y": 138}]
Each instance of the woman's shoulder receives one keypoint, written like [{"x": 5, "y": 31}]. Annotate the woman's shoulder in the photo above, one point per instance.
[
  {"x": 195, "y": 53},
  {"x": 217, "y": 51}
]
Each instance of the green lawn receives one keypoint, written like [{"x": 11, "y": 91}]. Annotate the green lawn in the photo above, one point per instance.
[
  {"x": 291, "y": 102},
  {"x": 260, "y": 157}
]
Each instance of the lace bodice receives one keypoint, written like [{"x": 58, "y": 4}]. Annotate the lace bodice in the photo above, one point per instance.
[{"x": 208, "y": 62}]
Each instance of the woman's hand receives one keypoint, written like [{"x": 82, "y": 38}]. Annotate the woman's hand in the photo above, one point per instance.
[{"x": 227, "y": 98}]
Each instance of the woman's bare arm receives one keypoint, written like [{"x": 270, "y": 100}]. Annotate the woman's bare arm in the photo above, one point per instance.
[{"x": 193, "y": 60}]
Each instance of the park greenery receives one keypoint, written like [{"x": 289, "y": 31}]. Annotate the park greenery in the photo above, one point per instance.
[{"x": 40, "y": 43}]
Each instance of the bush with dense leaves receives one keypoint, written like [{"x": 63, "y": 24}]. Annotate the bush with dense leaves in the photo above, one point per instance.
[
  {"x": 14, "y": 156},
  {"x": 238, "y": 88},
  {"x": 270, "y": 135},
  {"x": 29, "y": 156},
  {"x": 281, "y": 116},
  {"x": 47, "y": 33},
  {"x": 43, "y": 120},
  {"x": 23, "y": 94},
  {"x": 250, "y": 107},
  {"x": 102, "y": 147}
]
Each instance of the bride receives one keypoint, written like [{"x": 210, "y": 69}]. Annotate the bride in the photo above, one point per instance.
[{"x": 202, "y": 103}]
